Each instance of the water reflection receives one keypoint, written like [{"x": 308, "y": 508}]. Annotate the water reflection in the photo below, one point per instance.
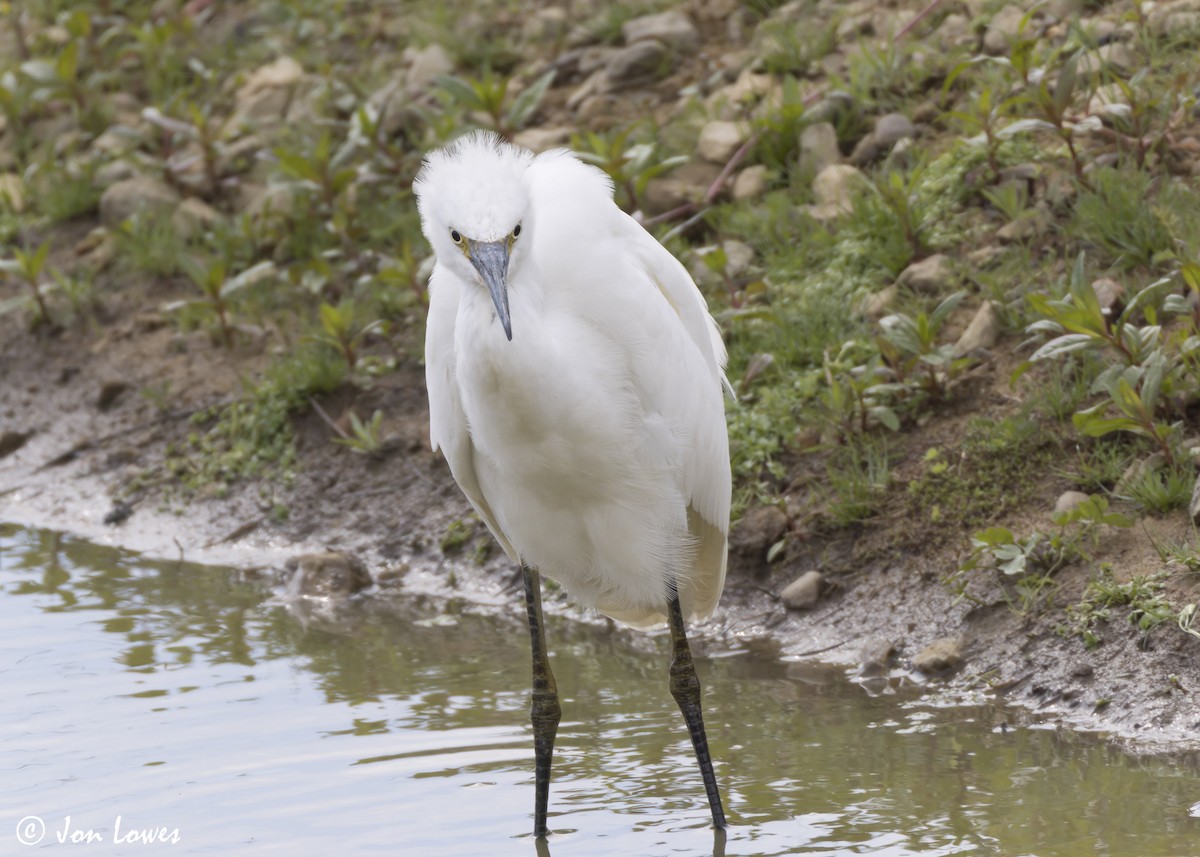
[{"x": 183, "y": 695}]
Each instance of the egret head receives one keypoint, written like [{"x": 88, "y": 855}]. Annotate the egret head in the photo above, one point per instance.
[{"x": 475, "y": 211}]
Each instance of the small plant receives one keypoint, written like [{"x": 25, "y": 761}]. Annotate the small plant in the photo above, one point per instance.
[
  {"x": 631, "y": 165},
  {"x": 1142, "y": 594},
  {"x": 365, "y": 438},
  {"x": 488, "y": 95},
  {"x": 859, "y": 477},
  {"x": 27, "y": 266},
  {"x": 1114, "y": 215},
  {"x": 856, "y": 396},
  {"x": 910, "y": 347},
  {"x": 217, "y": 290},
  {"x": 340, "y": 331},
  {"x": 1162, "y": 489}
]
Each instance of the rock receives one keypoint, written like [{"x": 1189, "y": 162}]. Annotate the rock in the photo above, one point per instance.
[
  {"x": 546, "y": 24},
  {"x": 541, "y": 139},
  {"x": 955, "y": 31},
  {"x": 876, "y": 306},
  {"x": 750, "y": 183},
  {"x": 12, "y": 192},
  {"x": 1108, "y": 101},
  {"x": 1136, "y": 471},
  {"x": 866, "y": 151},
  {"x": 673, "y": 28},
  {"x": 194, "y": 216},
  {"x": 1116, "y": 55},
  {"x": 818, "y": 148},
  {"x": 1109, "y": 293},
  {"x": 834, "y": 186},
  {"x": 264, "y": 98},
  {"x": 757, "y": 530},
  {"x": 110, "y": 392},
  {"x": 875, "y": 656},
  {"x": 931, "y": 276},
  {"x": 1002, "y": 29},
  {"x": 1168, "y": 19},
  {"x": 11, "y": 441},
  {"x": 118, "y": 514},
  {"x": 140, "y": 194},
  {"x": 1068, "y": 500},
  {"x": 1193, "y": 506},
  {"x": 638, "y": 63},
  {"x": 1019, "y": 230},
  {"x": 328, "y": 575},
  {"x": 719, "y": 140},
  {"x": 985, "y": 256},
  {"x": 687, "y": 184},
  {"x": 113, "y": 172},
  {"x": 116, "y": 141},
  {"x": 981, "y": 333},
  {"x": 804, "y": 592},
  {"x": 739, "y": 256},
  {"x": 425, "y": 65},
  {"x": 891, "y": 128},
  {"x": 940, "y": 655}
]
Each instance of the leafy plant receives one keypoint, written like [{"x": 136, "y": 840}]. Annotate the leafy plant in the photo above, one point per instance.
[
  {"x": 27, "y": 266},
  {"x": 630, "y": 164},
  {"x": 910, "y": 346},
  {"x": 217, "y": 291},
  {"x": 365, "y": 438},
  {"x": 488, "y": 95},
  {"x": 341, "y": 331}
]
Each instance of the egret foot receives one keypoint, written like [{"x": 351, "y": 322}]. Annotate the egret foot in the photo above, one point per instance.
[
  {"x": 545, "y": 711},
  {"x": 685, "y": 687}
]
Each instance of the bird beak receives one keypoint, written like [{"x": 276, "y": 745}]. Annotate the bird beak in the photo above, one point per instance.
[{"x": 491, "y": 261}]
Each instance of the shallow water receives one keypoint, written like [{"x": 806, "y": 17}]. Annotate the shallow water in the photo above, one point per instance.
[{"x": 148, "y": 699}]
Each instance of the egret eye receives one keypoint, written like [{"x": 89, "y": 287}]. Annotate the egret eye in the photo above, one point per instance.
[
  {"x": 517, "y": 231},
  {"x": 455, "y": 236}
]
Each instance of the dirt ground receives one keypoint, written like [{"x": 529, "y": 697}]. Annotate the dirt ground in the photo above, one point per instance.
[{"x": 884, "y": 597}]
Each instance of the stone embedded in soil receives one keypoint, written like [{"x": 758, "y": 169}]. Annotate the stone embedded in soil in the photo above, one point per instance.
[
  {"x": 750, "y": 183},
  {"x": 1193, "y": 506},
  {"x": 739, "y": 256},
  {"x": 1114, "y": 55},
  {"x": 719, "y": 140},
  {"x": 803, "y": 592},
  {"x": 875, "y": 656},
  {"x": 1109, "y": 293},
  {"x": 891, "y": 128},
  {"x": 425, "y": 64},
  {"x": 267, "y": 93},
  {"x": 1069, "y": 500},
  {"x": 194, "y": 216},
  {"x": 673, "y": 28},
  {"x": 1021, "y": 229},
  {"x": 138, "y": 195},
  {"x": 875, "y": 306},
  {"x": 757, "y": 530},
  {"x": 541, "y": 139},
  {"x": 1139, "y": 469},
  {"x": 981, "y": 333},
  {"x": 818, "y": 148},
  {"x": 1181, "y": 16},
  {"x": 1002, "y": 29},
  {"x": 688, "y": 184},
  {"x": 834, "y": 186},
  {"x": 940, "y": 655},
  {"x": 110, "y": 392},
  {"x": 11, "y": 441},
  {"x": 638, "y": 63},
  {"x": 933, "y": 275},
  {"x": 328, "y": 575}
]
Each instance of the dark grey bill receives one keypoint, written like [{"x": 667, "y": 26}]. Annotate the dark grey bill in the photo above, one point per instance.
[{"x": 491, "y": 261}]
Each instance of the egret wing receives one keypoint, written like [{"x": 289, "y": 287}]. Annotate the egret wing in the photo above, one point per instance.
[
  {"x": 448, "y": 428},
  {"x": 699, "y": 410}
]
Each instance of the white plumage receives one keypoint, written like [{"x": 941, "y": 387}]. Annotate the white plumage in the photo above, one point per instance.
[{"x": 593, "y": 443}]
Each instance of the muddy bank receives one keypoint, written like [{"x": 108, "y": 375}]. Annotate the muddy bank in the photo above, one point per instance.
[{"x": 400, "y": 511}]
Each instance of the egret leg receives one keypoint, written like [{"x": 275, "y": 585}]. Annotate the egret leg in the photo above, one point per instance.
[
  {"x": 545, "y": 712},
  {"x": 685, "y": 687}
]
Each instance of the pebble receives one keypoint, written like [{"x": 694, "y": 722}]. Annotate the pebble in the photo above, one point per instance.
[
  {"x": 750, "y": 183},
  {"x": 803, "y": 592},
  {"x": 425, "y": 65},
  {"x": 891, "y": 128},
  {"x": 11, "y": 441},
  {"x": 672, "y": 28},
  {"x": 940, "y": 655},
  {"x": 110, "y": 392},
  {"x": 637, "y": 63},
  {"x": 194, "y": 216},
  {"x": 719, "y": 140},
  {"x": 932, "y": 275},
  {"x": 1002, "y": 30},
  {"x": 982, "y": 332},
  {"x": 818, "y": 148},
  {"x": 757, "y": 530},
  {"x": 875, "y": 306},
  {"x": 328, "y": 575},
  {"x": 140, "y": 194},
  {"x": 834, "y": 186},
  {"x": 1069, "y": 500},
  {"x": 875, "y": 656}
]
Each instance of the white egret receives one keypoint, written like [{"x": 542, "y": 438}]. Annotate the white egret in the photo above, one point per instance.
[{"x": 576, "y": 389}]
